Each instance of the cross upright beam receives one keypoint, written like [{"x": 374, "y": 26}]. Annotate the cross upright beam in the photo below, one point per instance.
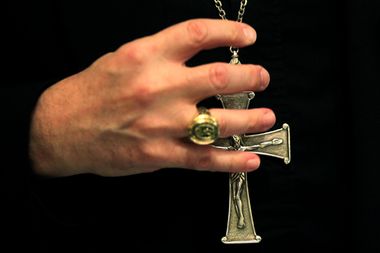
[{"x": 240, "y": 225}]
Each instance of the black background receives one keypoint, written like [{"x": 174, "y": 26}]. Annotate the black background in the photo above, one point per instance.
[{"x": 323, "y": 59}]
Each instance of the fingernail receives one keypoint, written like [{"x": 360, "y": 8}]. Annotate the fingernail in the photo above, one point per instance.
[
  {"x": 253, "y": 164},
  {"x": 265, "y": 78},
  {"x": 268, "y": 118},
  {"x": 250, "y": 34}
]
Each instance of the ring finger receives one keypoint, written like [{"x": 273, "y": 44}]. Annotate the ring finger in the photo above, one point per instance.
[{"x": 231, "y": 122}]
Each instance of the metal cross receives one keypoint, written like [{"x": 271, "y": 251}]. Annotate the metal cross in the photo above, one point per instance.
[{"x": 240, "y": 225}]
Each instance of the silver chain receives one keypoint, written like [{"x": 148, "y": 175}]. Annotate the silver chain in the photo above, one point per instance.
[
  {"x": 222, "y": 12},
  {"x": 222, "y": 15}
]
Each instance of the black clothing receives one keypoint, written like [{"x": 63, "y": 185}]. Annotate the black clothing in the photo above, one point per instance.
[{"x": 321, "y": 56}]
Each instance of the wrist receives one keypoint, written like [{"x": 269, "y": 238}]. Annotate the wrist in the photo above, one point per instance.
[{"x": 47, "y": 139}]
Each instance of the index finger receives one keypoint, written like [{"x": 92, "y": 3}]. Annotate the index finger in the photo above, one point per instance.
[{"x": 181, "y": 41}]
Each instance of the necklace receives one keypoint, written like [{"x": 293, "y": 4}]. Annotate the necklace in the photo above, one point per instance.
[
  {"x": 240, "y": 15},
  {"x": 240, "y": 226}
]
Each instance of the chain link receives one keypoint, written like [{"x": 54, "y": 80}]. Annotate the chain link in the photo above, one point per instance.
[
  {"x": 222, "y": 12},
  {"x": 222, "y": 15},
  {"x": 241, "y": 11}
]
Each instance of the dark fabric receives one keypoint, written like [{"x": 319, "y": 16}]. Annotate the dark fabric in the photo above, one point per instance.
[{"x": 323, "y": 59}]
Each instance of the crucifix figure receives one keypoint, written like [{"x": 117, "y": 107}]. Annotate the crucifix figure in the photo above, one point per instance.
[{"x": 240, "y": 225}]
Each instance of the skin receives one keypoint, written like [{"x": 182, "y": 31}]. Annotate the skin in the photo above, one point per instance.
[{"x": 129, "y": 111}]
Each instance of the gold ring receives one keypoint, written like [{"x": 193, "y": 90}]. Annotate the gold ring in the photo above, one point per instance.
[{"x": 204, "y": 128}]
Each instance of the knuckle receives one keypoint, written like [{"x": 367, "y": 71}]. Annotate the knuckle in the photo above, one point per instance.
[
  {"x": 259, "y": 121},
  {"x": 231, "y": 164},
  {"x": 235, "y": 35},
  {"x": 133, "y": 52},
  {"x": 148, "y": 152},
  {"x": 197, "y": 32},
  {"x": 253, "y": 118},
  {"x": 144, "y": 94},
  {"x": 236, "y": 163},
  {"x": 107, "y": 64},
  {"x": 223, "y": 126},
  {"x": 255, "y": 79},
  {"x": 104, "y": 60},
  {"x": 203, "y": 160},
  {"x": 218, "y": 76},
  {"x": 253, "y": 121}
]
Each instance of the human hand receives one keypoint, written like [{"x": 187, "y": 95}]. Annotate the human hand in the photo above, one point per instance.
[{"x": 129, "y": 111}]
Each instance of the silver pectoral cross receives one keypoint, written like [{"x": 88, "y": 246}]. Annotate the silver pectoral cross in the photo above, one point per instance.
[{"x": 240, "y": 225}]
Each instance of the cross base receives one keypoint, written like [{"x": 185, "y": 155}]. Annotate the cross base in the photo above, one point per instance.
[
  {"x": 240, "y": 228},
  {"x": 226, "y": 240}
]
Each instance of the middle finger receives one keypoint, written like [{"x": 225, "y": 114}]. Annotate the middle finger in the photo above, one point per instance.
[{"x": 223, "y": 78}]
